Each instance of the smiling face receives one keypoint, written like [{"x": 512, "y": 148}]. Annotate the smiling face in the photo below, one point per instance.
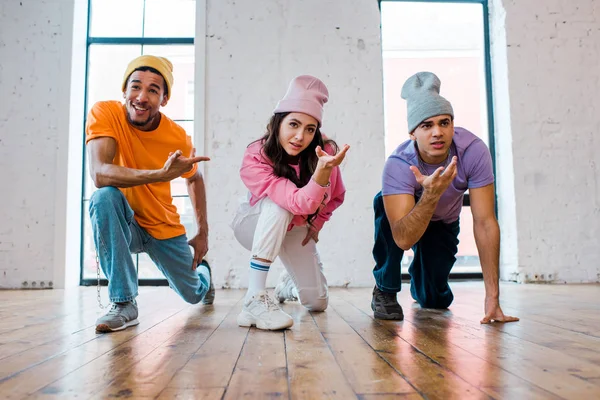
[
  {"x": 434, "y": 137},
  {"x": 296, "y": 132},
  {"x": 144, "y": 95}
]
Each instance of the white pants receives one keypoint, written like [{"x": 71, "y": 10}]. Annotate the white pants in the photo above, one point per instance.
[{"x": 262, "y": 229}]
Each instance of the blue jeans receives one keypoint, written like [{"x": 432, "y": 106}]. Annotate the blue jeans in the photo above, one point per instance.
[
  {"x": 117, "y": 235},
  {"x": 430, "y": 269}
]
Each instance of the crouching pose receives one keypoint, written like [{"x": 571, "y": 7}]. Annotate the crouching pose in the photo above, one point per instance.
[{"x": 294, "y": 185}]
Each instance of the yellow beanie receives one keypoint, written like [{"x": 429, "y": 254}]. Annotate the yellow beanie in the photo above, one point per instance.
[{"x": 160, "y": 64}]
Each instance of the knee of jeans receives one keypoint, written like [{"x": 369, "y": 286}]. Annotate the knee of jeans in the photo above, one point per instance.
[
  {"x": 105, "y": 195},
  {"x": 436, "y": 301},
  {"x": 314, "y": 303},
  {"x": 191, "y": 298}
]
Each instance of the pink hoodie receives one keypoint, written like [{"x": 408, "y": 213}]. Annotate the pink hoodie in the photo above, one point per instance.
[{"x": 257, "y": 174}]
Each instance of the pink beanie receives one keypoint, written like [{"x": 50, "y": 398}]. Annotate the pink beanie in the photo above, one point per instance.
[{"x": 306, "y": 95}]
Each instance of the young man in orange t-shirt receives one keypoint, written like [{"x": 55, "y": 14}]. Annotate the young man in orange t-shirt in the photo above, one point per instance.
[{"x": 134, "y": 153}]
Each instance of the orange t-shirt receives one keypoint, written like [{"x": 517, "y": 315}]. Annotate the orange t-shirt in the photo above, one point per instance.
[{"x": 152, "y": 203}]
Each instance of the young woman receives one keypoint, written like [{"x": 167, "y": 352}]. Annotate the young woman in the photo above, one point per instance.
[{"x": 294, "y": 185}]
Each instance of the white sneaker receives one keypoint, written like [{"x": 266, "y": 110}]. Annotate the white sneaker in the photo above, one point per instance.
[
  {"x": 285, "y": 289},
  {"x": 262, "y": 312}
]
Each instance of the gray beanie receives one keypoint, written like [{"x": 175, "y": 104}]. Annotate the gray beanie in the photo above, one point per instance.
[{"x": 422, "y": 94}]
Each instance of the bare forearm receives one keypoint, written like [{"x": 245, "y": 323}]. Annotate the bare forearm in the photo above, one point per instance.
[
  {"x": 322, "y": 175},
  {"x": 487, "y": 238},
  {"x": 408, "y": 230},
  {"x": 197, "y": 192},
  {"x": 115, "y": 175}
]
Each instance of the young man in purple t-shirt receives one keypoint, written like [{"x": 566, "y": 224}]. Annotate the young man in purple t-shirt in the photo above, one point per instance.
[{"x": 419, "y": 206}]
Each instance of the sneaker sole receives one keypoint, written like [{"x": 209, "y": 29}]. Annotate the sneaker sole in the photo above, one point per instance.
[
  {"x": 209, "y": 298},
  {"x": 103, "y": 328},
  {"x": 380, "y": 315},
  {"x": 246, "y": 320}
]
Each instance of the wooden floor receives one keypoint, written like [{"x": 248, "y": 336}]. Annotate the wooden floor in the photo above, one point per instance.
[{"x": 48, "y": 348}]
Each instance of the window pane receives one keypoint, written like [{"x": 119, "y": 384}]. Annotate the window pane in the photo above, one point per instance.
[
  {"x": 467, "y": 257},
  {"x": 107, "y": 64},
  {"x": 89, "y": 249},
  {"x": 170, "y": 18},
  {"x": 186, "y": 211},
  {"x": 147, "y": 268},
  {"x": 116, "y": 18},
  {"x": 181, "y": 102},
  {"x": 446, "y": 39},
  {"x": 178, "y": 186},
  {"x": 90, "y": 188}
]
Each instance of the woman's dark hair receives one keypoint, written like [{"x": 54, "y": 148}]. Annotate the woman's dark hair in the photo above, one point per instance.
[{"x": 307, "y": 159}]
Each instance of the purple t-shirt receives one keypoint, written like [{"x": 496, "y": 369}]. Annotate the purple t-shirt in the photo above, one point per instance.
[{"x": 474, "y": 171}]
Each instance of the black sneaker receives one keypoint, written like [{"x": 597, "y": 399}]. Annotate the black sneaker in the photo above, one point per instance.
[
  {"x": 209, "y": 297},
  {"x": 385, "y": 305}
]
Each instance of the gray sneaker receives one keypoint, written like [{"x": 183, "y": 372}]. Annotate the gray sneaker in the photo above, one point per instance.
[
  {"x": 385, "y": 305},
  {"x": 209, "y": 297},
  {"x": 120, "y": 316}
]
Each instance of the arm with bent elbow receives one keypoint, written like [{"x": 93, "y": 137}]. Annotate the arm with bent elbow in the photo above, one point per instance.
[
  {"x": 409, "y": 221},
  {"x": 101, "y": 154}
]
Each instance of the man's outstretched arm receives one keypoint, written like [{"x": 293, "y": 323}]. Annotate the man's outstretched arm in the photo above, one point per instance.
[
  {"x": 101, "y": 154},
  {"x": 487, "y": 238}
]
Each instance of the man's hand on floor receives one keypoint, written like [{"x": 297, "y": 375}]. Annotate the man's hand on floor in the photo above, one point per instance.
[{"x": 493, "y": 312}]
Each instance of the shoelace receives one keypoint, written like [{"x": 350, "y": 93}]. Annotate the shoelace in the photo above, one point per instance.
[
  {"x": 116, "y": 309},
  {"x": 269, "y": 303},
  {"x": 385, "y": 298}
]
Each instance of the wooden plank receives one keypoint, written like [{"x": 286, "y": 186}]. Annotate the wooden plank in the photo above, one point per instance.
[
  {"x": 140, "y": 364},
  {"x": 576, "y": 346},
  {"x": 435, "y": 337},
  {"x": 261, "y": 371},
  {"x": 47, "y": 379},
  {"x": 192, "y": 394},
  {"x": 19, "y": 318},
  {"x": 366, "y": 371},
  {"x": 152, "y": 373},
  {"x": 390, "y": 396},
  {"x": 313, "y": 371},
  {"x": 427, "y": 376},
  {"x": 594, "y": 381},
  {"x": 492, "y": 344},
  {"x": 65, "y": 329},
  {"x": 213, "y": 364},
  {"x": 547, "y": 304},
  {"x": 38, "y": 355}
]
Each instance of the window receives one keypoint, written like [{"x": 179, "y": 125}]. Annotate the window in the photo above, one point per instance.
[
  {"x": 449, "y": 39},
  {"x": 119, "y": 31}
]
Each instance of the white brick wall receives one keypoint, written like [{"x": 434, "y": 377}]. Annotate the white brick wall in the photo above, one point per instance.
[
  {"x": 553, "y": 53},
  {"x": 252, "y": 54},
  {"x": 546, "y": 83},
  {"x": 35, "y": 60}
]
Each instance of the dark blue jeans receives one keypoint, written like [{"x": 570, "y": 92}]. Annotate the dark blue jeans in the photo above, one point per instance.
[{"x": 429, "y": 271}]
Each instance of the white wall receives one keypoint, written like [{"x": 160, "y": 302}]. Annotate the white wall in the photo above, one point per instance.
[
  {"x": 547, "y": 82},
  {"x": 252, "y": 54},
  {"x": 35, "y": 76},
  {"x": 546, "y": 79}
]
